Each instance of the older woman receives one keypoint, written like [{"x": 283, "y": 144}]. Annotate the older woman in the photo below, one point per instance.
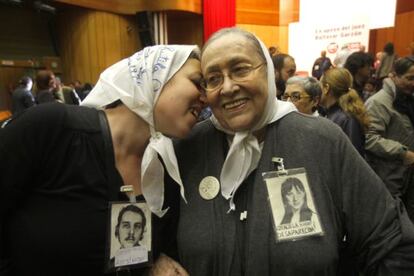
[
  {"x": 62, "y": 164},
  {"x": 227, "y": 226},
  {"x": 304, "y": 93}
]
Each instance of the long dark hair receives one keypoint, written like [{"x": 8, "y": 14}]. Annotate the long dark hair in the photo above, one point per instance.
[{"x": 305, "y": 212}]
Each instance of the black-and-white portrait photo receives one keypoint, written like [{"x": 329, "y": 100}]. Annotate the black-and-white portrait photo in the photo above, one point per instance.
[
  {"x": 130, "y": 235},
  {"x": 293, "y": 209}
]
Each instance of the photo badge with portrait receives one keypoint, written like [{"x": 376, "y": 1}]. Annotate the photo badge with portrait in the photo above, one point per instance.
[
  {"x": 292, "y": 204},
  {"x": 129, "y": 236}
]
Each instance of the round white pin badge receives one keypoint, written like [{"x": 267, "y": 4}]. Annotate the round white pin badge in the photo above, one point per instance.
[{"x": 209, "y": 187}]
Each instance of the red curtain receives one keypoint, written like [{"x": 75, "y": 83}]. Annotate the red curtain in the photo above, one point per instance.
[{"x": 218, "y": 14}]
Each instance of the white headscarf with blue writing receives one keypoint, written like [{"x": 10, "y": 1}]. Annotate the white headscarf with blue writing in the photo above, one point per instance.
[{"x": 138, "y": 81}]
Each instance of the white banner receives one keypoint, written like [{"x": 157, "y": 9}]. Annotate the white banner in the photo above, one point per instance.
[{"x": 306, "y": 41}]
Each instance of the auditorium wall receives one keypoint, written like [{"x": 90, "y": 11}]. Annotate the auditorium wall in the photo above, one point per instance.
[
  {"x": 92, "y": 40},
  {"x": 401, "y": 34}
]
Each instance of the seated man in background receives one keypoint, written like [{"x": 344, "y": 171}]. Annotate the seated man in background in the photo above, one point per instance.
[
  {"x": 22, "y": 97},
  {"x": 46, "y": 87}
]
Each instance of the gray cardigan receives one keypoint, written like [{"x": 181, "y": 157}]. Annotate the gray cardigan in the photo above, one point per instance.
[{"x": 351, "y": 200}]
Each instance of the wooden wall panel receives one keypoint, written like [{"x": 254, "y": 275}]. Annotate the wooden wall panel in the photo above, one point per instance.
[
  {"x": 24, "y": 36},
  {"x": 401, "y": 34},
  {"x": 404, "y": 33},
  {"x": 134, "y": 6},
  {"x": 93, "y": 41},
  {"x": 267, "y": 12},
  {"x": 24, "y": 33},
  {"x": 259, "y": 12},
  {"x": 288, "y": 12},
  {"x": 270, "y": 35},
  {"x": 405, "y": 6},
  {"x": 9, "y": 77},
  {"x": 192, "y": 23}
]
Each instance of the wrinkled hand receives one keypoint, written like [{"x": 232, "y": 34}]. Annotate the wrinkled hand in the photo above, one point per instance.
[{"x": 165, "y": 266}]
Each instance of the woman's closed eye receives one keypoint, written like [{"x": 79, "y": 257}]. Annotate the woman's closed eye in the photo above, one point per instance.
[{"x": 214, "y": 79}]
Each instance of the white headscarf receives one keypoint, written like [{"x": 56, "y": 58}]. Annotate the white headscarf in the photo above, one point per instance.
[
  {"x": 244, "y": 153},
  {"x": 138, "y": 81}
]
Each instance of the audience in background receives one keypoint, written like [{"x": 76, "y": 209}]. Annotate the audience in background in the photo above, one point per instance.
[
  {"x": 386, "y": 63},
  {"x": 46, "y": 87},
  {"x": 320, "y": 65},
  {"x": 390, "y": 137},
  {"x": 359, "y": 64},
  {"x": 377, "y": 62},
  {"x": 369, "y": 89},
  {"x": 22, "y": 97},
  {"x": 284, "y": 67},
  {"x": 68, "y": 93},
  {"x": 342, "y": 55},
  {"x": 87, "y": 87},
  {"x": 77, "y": 85},
  {"x": 344, "y": 106}
]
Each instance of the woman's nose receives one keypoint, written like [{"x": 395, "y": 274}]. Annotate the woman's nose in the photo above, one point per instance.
[{"x": 228, "y": 85}]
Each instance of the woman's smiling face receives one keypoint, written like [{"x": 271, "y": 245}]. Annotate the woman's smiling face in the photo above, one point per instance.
[
  {"x": 179, "y": 104},
  {"x": 237, "y": 105}
]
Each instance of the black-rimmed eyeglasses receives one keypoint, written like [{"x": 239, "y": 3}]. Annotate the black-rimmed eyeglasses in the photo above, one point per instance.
[{"x": 294, "y": 96}]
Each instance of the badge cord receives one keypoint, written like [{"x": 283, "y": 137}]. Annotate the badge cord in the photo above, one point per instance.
[{"x": 129, "y": 191}]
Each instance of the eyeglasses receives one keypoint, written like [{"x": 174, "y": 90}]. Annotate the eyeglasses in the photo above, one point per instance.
[
  {"x": 294, "y": 96},
  {"x": 214, "y": 81}
]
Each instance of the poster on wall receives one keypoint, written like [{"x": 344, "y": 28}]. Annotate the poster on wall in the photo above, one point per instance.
[{"x": 339, "y": 41}]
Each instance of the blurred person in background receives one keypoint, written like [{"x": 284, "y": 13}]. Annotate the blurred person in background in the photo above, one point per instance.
[
  {"x": 387, "y": 62},
  {"x": 359, "y": 64},
  {"x": 46, "y": 87},
  {"x": 284, "y": 67},
  {"x": 304, "y": 93},
  {"x": 22, "y": 97},
  {"x": 320, "y": 65},
  {"x": 390, "y": 137},
  {"x": 344, "y": 106}
]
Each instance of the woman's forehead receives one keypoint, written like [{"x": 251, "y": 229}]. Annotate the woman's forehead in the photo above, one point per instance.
[{"x": 227, "y": 51}]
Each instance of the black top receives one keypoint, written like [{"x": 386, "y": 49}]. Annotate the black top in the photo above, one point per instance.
[
  {"x": 54, "y": 192},
  {"x": 21, "y": 99},
  {"x": 349, "y": 125}
]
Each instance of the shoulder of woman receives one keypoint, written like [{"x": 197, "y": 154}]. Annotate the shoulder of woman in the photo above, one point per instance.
[
  {"x": 202, "y": 133},
  {"x": 308, "y": 127}
]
